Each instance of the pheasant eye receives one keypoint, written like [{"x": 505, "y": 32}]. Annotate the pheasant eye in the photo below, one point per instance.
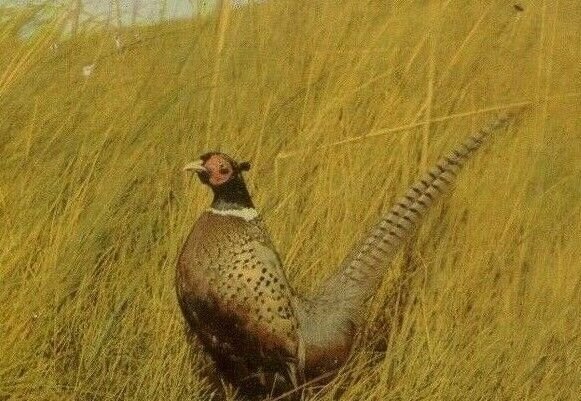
[{"x": 224, "y": 170}]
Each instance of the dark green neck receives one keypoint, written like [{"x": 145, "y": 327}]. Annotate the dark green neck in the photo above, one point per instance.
[{"x": 232, "y": 195}]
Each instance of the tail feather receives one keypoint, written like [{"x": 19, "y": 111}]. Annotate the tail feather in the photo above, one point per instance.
[{"x": 361, "y": 272}]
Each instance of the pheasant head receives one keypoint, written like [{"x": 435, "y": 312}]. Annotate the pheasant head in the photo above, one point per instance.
[{"x": 223, "y": 175}]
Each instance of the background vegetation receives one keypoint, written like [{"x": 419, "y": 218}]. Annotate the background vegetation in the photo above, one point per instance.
[{"x": 339, "y": 107}]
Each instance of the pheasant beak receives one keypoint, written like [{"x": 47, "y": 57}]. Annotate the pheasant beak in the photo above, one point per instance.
[{"x": 197, "y": 166}]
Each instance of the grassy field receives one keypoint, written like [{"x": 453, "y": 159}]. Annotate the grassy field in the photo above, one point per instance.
[{"x": 339, "y": 108}]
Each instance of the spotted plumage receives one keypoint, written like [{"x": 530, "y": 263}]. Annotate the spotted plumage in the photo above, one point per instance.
[{"x": 235, "y": 297}]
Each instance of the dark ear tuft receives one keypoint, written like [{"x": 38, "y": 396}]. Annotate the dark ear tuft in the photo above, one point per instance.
[{"x": 244, "y": 166}]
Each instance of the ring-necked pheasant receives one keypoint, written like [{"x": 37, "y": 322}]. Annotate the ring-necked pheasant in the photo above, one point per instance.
[{"x": 234, "y": 294}]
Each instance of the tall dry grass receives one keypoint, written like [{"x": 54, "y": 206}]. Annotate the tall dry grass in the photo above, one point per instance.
[{"x": 339, "y": 108}]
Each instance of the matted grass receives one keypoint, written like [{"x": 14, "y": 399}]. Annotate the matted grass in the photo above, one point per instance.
[{"x": 339, "y": 108}]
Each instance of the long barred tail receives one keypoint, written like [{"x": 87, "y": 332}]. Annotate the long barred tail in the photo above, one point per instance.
[{"x": 361, "y": 272}]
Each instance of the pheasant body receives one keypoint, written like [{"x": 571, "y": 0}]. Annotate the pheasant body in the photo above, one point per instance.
[{"x": 235, "y": 296}]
